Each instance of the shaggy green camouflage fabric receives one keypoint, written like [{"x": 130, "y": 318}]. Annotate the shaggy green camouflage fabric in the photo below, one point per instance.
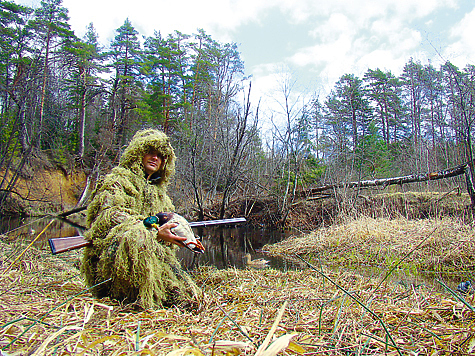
[{"x": 142, "y": 268}]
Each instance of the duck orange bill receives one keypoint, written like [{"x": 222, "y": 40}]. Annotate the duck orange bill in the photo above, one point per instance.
[{"x": 194, "y": 246}]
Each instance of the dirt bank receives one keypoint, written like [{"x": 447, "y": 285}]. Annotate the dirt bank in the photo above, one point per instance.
[
  {"x": 309, "y": 214},
  {"x": 44, "y": 191}
]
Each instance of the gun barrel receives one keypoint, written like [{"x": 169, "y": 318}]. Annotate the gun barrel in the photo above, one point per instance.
[{"x": 217, "y": 222}]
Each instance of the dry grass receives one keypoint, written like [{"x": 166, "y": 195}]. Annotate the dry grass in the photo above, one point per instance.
[
  {"x": 427, "y": 203},
  {"x": 437, "y": 245},
  {"x": 45, "y": 310}
]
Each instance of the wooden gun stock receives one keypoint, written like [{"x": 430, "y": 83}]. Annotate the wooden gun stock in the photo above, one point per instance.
[{"x": 64, "y": 244}]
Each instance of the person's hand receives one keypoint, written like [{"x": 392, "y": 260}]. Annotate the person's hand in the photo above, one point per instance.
[{"x": 164, "y": 233}]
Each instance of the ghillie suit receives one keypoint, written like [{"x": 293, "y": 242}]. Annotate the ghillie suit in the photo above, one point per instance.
[{"x": 142, "y": 268}]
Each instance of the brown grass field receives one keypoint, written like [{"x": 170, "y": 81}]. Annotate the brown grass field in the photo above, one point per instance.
[{"x": 317, "y": 310}]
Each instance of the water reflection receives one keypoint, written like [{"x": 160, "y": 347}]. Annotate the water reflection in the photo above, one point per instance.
[
  {"x": 27, "y": 229},
  {"x": 225, "y": 245}
]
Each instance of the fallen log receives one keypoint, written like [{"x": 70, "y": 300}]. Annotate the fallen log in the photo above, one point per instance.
[{"x": 384, "y": 182}]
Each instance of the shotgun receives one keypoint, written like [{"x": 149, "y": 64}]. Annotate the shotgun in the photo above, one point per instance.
[{"x": 64, "y": 244}]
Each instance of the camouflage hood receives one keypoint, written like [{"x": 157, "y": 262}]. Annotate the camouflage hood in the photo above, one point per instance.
[{"x": 142, "y": 142}]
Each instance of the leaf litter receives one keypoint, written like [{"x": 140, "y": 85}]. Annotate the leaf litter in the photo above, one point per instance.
[{"x": 317, "y": 310}]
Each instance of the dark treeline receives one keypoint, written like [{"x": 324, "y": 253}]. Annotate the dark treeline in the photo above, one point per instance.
[{"x": 71, "y": 97}]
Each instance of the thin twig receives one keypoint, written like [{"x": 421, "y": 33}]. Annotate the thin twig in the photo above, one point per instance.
[
  {"x": 49, "y": 312},
  {"x": 31, "y": 243},
  {"x": 455, "y": 295},
  {"x": 237, "y": 325},
  {"x": 391, "y": 270},
  {"x": 356, "y": 300}
]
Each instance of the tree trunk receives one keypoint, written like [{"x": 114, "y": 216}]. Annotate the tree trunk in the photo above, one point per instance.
[
  {"x": 413, "y": 178},
  {"x": 82, "y": 114},
  {"x": 43, "y": 91}
]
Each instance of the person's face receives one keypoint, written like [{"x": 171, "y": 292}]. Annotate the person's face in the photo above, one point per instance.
[{"x": 152, "y": 162}]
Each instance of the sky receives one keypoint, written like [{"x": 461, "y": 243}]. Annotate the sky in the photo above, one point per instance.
[{"x": 312, "y": 43}]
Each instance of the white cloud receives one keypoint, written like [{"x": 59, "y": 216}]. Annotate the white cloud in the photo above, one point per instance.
[
  {"x": 264, "y": 79},
  {"x": 342, "y": 36},
  {"x": 219, "y": 17},
  {"x": 361, "y": 35},
  {"x": 336, "y": 25},
  {"x": 341, "y": 47},
  {"x": 462, "y": 50}
]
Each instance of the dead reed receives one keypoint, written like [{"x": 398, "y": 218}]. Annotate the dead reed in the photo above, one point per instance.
[
  {"x": 46, "y": 310},
  {"x": 431, "y": 245}
]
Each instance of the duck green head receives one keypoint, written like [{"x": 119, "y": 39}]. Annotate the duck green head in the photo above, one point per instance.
[{"x": 150, "y": 221}]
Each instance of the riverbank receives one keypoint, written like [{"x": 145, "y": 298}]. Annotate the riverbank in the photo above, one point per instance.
[
  {"x": 46, "y": 310},
  {"x": 43, "y": 191},
  {"x": 445, "y": 245},
  {"x": 50, "y": 185}
]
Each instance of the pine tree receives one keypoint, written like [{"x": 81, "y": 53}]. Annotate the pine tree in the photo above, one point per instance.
[
  {"x": 383, "y": 89},
  {"x": 348, "y": 104},
  {"x": 166, "y": 69},
  {"x": 86, "y": 66},
  {"x": 51, "y": 28},
  {"x": 14, "y": 71},
  {"x": 414, "y": 98},
  {"x": 126, "y": 59}
]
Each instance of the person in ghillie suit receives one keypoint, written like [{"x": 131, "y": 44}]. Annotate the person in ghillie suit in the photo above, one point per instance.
[{"x": 139, "y": 261}]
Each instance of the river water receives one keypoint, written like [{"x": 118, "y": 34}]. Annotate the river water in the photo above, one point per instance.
[{"x": 225, "y": 246}]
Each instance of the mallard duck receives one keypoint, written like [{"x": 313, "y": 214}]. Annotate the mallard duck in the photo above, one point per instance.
[
  {"x": 183, "y": 229},
  {"x": 258, "y": 263}
]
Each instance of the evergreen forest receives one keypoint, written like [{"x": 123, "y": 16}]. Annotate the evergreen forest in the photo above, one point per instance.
[{"x": 76, "y": 99}]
